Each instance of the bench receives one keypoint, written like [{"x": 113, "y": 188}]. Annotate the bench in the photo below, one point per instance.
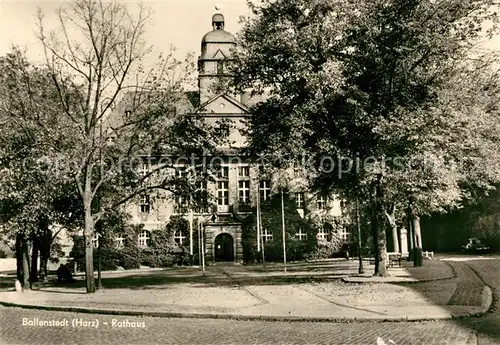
[{"x": 428, "y": 255}]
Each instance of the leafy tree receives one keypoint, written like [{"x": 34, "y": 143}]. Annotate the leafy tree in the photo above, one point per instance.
[
  {"x": 357, "y": 82},
  {"x": 33, "y": 198}
]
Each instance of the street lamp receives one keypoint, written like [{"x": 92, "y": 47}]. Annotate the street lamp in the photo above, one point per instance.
[{"x": 360, "y": 269}]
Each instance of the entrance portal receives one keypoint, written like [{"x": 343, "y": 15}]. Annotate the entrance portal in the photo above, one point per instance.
[{"x": 224, "y": 250}]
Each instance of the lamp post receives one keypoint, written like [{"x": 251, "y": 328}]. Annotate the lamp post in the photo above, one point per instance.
[
  {"x": 283, "y": 228},
  {"x": 360, "y": 268},
  {"x": 99, "y": 282}
]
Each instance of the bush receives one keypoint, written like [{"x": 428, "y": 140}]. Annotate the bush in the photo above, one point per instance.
[
  {"x": 129, "y": 258},
  {"x": 162, "y": 252},
  {"x": 109, "y": 256}
]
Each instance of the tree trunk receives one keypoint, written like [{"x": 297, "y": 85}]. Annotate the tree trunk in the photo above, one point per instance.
[
  {"x": 19, "y": 257},
  {"x": 418, "y": 233},
  {"x": 34, "y": 259},
  {"x": 382, "y": 249},
  {"x": 89, "y": 258},
  {"x": 391, "y": 218},
  {"x": 45, "y": 243},
  {"x": 378, "y": 233},
  {"x": 410, "y": 232},
  {"x": 414, "y": 226},
  {"x": 418, "y": 259},
  {"x": 25, "y": 282}
]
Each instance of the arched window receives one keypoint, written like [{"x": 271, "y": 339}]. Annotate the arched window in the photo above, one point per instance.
[
  {"x": 180, "y": 237},
  {"x": 144, "y": 239}
]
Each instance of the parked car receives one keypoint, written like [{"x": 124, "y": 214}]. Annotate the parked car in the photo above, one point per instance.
[{"x": 474, "y": 245}]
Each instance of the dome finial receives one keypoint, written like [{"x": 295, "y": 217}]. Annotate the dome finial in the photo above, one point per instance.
[{"x": 217, "y": 7}]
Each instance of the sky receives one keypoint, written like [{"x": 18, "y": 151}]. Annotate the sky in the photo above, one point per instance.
[{"x": 180, "y": 23}]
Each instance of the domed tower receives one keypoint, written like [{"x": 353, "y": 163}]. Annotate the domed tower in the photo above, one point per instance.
[{"x": 216, "y": 48}]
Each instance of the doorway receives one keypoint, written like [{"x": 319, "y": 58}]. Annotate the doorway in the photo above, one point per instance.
[{"x": 224, "y": 250}]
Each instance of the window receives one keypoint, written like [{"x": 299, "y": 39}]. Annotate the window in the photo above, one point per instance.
[
  {"x": 267, "y": 236},
  {"x": 144, "y": 169},
  {"x": 145, "y": 204},
  {"x": 223, "y": 173},
  {"x": 204, "y": 189},
  {"x": 324, "y": 232},
  {"x": 299, "y": 200},
  {"x": 296, "y": 167},
  {"x": 180, "y": 172},
  {"x": 119, "y": 241},
  {"x": 244, "y": 196},
  {"x": 222, "y": 193},
  {"x": 144, "y": 239},
  {"x": 180, "y": 237},
  {"x": 220, "y": 67},
  {"x": 95, "y": 240},
  {"x": 128, "y": 113},
  {"x": 321, "y": 202},
  {"x": 181, "y": 203},
  {"x": 244, "y": 171},
  {"x": 344, "y": 233},
  {"x": 301, "y": 235},
  {"x": 265, "y": 190}
]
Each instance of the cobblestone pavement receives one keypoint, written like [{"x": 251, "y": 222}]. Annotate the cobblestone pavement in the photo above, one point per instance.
[
  {"x": 487, "y": 327},
  {"x": 199, "y": 331},
  {"x": 469, "y": 286}
]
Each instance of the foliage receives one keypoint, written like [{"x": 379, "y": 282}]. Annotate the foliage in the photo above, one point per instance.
[
  {"x": 129, "y": 258},
  {"x": 59, "y": 117},
  {"x": 271, "y": 220},
  {"x": 162, "y": 250},
  {"x": 109, "y": 256},
  {"x": 448, "y": 232},
  {"x": 367, "y": 82}
]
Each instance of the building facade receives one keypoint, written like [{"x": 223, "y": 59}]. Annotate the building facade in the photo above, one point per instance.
[{"x": 238, "y": 185}]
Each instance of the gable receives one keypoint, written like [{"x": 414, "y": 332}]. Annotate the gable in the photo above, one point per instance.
[
  {"x": 219, "y": 55},
  {"x": 223, "y": 104}
]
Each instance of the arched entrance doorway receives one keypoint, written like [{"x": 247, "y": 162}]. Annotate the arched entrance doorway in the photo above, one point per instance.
[{"x": 224, "y": 250}]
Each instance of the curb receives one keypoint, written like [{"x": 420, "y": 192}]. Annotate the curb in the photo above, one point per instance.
[
  {"x": 486, "y": 299},
  {"x": 236, "y": 317},
  {"x": 452, "y": 276}
]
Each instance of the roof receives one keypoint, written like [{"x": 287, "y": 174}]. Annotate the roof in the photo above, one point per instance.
[
  {"x": 218, "y": 36},
  {"x": 184, "y": 102}
]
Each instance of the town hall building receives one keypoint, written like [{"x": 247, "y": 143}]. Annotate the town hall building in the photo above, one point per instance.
[{"x": 238, "y": 184}]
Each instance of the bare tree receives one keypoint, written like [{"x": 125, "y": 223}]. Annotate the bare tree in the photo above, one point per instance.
[{"x": 96, "y": 57}]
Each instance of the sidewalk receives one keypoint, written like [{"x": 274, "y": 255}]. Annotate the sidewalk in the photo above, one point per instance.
[{"x": 307, "y": 291}]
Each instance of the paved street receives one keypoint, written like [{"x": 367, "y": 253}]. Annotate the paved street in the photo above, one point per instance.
[
  {"x": 197, "y": 331},
  {"x": 488, "y": 268},
  {"x": 476, "y": 331}
]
